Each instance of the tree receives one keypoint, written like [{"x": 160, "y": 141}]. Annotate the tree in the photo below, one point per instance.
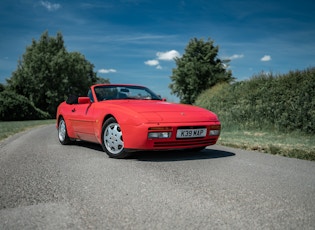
[
  {"x": 2, "y": 87},
  {"x": 47, "y": 74},
  {"x": 198, "y": 69}
]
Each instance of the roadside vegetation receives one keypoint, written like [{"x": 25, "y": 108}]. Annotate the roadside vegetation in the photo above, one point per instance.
[
  {"x": 268, "y": 113},
  {"x": 9, "y": 128}
]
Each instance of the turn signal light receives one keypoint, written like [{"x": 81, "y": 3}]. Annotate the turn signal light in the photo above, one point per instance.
[{"x": 160, "y": 129}]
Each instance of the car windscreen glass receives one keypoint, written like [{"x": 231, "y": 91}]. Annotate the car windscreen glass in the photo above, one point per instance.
[{"x": 114, "y": 92}]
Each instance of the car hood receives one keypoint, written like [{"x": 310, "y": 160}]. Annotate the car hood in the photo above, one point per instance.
[{"x": 158, "y": 111}]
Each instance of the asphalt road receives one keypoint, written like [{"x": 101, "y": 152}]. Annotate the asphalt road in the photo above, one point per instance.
[{"x": 44, "y": 185}]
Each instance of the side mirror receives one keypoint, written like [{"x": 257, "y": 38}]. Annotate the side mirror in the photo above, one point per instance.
[
  {"x": 84, "y": 100},
  {"x": 162, "y": 99}
]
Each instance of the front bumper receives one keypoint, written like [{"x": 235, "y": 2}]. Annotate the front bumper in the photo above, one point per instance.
[{"x": 136, "y": 137}]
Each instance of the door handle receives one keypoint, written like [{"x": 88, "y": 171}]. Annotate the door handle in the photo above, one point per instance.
[{"x": 73, "y": 110}]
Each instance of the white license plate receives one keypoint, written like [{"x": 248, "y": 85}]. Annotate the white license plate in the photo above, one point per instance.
[{"x": 189, "y": 133}]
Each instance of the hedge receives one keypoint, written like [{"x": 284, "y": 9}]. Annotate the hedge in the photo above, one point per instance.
[{"x": 279, "y": 102}]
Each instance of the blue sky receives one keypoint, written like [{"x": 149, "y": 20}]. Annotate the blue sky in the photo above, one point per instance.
[{"x": 135, "y": 41}]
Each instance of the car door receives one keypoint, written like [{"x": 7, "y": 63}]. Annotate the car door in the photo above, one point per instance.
[{"x": 82, "y": 119}]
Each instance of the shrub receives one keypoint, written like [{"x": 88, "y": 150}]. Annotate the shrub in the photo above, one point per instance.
[
  {"x": 282, "y": 103},
  {"x": 16, "y": 107}
]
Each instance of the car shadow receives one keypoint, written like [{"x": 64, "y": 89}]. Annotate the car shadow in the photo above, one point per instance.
[{"x": 163, "y": 156}]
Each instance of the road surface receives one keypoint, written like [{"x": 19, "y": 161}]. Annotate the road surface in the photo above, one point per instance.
[{"x": 44, "y": 185}]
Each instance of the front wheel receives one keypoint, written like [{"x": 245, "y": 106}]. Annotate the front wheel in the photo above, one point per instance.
[{"x": 112, "y": 139}]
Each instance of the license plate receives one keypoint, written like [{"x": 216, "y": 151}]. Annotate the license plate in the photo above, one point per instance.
[{"x": 189, "y": 133}]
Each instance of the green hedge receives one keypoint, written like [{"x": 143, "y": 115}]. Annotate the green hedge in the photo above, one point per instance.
[
  {"x": 16, "y": 107},
  {"x": 279, "y": 102}
]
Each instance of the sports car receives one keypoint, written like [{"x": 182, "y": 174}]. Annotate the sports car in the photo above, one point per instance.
[{"x": 126, "y": 118}]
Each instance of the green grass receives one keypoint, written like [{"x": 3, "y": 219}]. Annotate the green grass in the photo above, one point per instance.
[
  {"x": 8, "y": 128},
  {"x": 293, "y": 145}
]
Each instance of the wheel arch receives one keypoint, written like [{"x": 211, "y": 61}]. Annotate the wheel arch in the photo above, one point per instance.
[
  {"x": 58, "y": 120},
  {"x": 70, "y": 130},
  {"x": 107, "y": 116}
]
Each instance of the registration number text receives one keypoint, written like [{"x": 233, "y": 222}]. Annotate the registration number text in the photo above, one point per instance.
[{"x": 188, "y": 133}]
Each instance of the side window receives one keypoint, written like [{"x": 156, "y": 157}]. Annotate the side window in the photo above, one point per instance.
[{"x": 90, "y": 96}]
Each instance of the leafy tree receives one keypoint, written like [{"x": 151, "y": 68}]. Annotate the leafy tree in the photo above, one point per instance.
[
  {"x": 2, "y": 87},
  {"x": 47, "y": 73},
  {"x": 198, "y": 69}
]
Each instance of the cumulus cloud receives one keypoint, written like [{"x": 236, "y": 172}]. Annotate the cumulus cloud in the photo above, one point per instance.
[
  {"x": 107, "y": 71},
  {"x": 236, "y": 56},
  {"x": 162, "y": 56},
  {"x": 266, "y": 58},
  {"x": 167, "y": 56},
  {"x": 50, "y": 6},
  {"x": 152, "y": 62}
]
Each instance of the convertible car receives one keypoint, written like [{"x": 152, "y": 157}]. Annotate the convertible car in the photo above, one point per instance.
[{"x": 127, "y": 118}]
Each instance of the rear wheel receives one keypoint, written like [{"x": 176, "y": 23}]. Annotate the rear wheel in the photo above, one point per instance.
[
  {"x": 112, "y": 139},
  {"x": 62, "y": 132}
]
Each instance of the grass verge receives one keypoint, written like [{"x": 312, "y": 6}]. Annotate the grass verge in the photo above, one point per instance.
[
  {"x": 292, "y": 145},
  {"x": 8, "y": 128}
]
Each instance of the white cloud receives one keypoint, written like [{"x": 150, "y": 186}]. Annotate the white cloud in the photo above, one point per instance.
[
  {"x": 107, "y": 71},
  {"x": 152, "y": 62},
  {"x": 50, "y": 6},
  {"x": 163, "y": 56},
  {"x": 236, "y": 56},
  {"x": 266, "y": 58},
  {"x": 167, "y": 56}
]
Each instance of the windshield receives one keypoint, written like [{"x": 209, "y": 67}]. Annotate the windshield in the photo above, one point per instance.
[{"x": 117, "y": 92}]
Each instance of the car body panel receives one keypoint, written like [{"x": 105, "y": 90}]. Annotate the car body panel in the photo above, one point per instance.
[{"x": 136, "y": 117}]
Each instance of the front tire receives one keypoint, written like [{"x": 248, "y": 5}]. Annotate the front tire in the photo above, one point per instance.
[
  {"x": 62, "y": 132},
  {"x": 112, "y": 139}
]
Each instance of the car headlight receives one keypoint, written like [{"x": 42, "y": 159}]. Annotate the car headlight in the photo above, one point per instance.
[
  {"x": 159, "y": 135},
  {"x": 160, "y": 132}
]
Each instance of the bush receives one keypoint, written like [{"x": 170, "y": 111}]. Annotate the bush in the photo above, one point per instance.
[
  {"x": 282, "y": 103},
  {"x": 16, "y": 107}
]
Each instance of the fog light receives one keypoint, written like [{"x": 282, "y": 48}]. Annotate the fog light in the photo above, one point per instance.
[
  {"x": 159, "y": 135},
  {"x": 214, "y": 130},
  {"x": 214, "y": 133}
]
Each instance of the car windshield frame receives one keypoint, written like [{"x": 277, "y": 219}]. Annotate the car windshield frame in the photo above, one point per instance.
[{"x": 124, "y": 92}]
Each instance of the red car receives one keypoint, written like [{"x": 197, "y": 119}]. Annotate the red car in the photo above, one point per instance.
[{"x": 128, "y": 118}]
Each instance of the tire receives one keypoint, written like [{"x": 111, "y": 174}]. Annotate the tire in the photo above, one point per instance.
[
  {"x": 112, "y": 139},
  {"x": 62, "y": 132}
]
